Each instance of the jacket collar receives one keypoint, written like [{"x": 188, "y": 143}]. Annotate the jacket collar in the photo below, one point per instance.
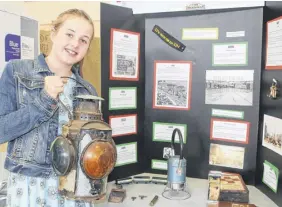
[{"x": 40, "y": 65}]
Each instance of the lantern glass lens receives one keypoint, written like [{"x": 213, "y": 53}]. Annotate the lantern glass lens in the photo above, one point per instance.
[{"x": 98, "y": 159}]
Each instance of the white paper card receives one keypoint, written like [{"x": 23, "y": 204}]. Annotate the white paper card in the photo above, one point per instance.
[
  {"x": 126, "y": 153},
  {"x": 27, "y": 48},
  {"x": 270, "y": 176},
  {"x": 200, "y": 33},
  {"x": 159, "y": 164},
  {"x": 274, "y": 43},
  {"x": 230, "y": 130},
  {"x": 163, "y": 131},
  {"x": 235, "y": 54},
  {"x": 228, "y": 113},
  {"x": 122, "y": 98},
  {"x": 235, "y": 34},
  {"x": 123, "y": 125}
]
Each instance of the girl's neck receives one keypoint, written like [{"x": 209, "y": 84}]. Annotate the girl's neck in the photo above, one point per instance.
[{"x": 57, "y": 67}]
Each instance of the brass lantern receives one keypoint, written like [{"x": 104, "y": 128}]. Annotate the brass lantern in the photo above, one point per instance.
[{"x": 85, "y": 154}]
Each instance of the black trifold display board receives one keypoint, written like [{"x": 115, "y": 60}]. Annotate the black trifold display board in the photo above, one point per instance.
[
  {"x": 269, "y": 107},
  {"x": 235, "y": 26}
]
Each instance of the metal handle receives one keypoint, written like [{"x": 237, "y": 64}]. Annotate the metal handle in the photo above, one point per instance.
[
  {"x": 78, "y": 82},
  {"x": 180, "y": 139}
]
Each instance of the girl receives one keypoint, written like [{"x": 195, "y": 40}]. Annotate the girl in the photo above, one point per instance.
[{"x": 31, "y": 116}]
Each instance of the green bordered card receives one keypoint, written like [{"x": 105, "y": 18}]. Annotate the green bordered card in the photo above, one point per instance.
[{"x": 122, "y": 98}]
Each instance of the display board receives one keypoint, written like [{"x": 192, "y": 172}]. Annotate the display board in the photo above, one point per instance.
[
  {"x": 122, "y": 81},
  {"x": 199, "y": 71},
  {"x": 269, "y": 166},
  {"x": 202, "y": 75}
]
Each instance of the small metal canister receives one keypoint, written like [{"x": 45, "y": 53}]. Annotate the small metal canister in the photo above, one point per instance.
[{"x": 176, "y": 166}]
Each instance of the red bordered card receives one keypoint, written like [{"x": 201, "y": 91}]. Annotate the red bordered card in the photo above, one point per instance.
[
  {"x": 124, "y": 55},
  {"x": 278, "y": 24},
  {"x": 123, "y": 128},
  {"x": 225, "y": 127},
  {"x": 172, "y": 85}
]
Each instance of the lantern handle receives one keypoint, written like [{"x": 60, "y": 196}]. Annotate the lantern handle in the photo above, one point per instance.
[
  {"x": 69, "y": 112},
  {"x": 78, "y": 83}
]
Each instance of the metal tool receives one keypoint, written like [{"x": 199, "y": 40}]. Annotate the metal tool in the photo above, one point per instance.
[{"x": 154, "y": 200}]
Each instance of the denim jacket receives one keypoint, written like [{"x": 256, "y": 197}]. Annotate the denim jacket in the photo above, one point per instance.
[{"x": 29, "y": 116}]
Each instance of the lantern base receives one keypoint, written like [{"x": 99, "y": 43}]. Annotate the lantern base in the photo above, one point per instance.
[
  {"x": 87, "y": 199},
  {"x": 172, "y": 194}
]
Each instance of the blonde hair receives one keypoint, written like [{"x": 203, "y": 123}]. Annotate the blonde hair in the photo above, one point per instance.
[{"x": 69, "y": 13}]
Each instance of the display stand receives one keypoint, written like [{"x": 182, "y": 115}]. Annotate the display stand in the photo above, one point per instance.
[
  {"x": 210, "y": 119},
  {"x": 124, "y": 20},
  {"x": 199, "y": 71},
  {"x": 270, "y": 112}
]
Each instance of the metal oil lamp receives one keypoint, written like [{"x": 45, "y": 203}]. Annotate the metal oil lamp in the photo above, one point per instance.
[{"x": 85, "y": 154}]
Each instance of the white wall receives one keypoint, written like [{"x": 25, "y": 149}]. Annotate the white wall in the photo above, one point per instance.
[
  {"x": 47, "y": 11},
  {"x": 167, "y": 6},
  {"x": 15, "y": 7}
]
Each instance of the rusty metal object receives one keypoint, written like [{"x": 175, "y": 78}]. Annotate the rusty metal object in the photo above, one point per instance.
[
  {"x": 97, "y": 159},
  {"x": 85, "y": 154}
]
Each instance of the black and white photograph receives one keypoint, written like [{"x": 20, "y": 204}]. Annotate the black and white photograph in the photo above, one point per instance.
[
  {"x": 172, "y": 85},
  {"x": 168, "y": 152},
  {"x": 126, "y": 65},
  {"x": 124, "y": 60},
  {"x": 172, "y": 93},
  {"x": 229, "y": 87},
  {"x": 272, "y": 133}
]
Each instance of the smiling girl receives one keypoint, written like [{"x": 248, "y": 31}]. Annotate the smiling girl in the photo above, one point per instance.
[{"x": 31, "y": 116}]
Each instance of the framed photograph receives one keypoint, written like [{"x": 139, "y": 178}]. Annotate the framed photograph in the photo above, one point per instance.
[
  {"x": 273, "y": 60},
  {"x": 227, "y": 156},
  {"x": 229, "y": 87},
  {"x": 124, "y": 55},
  {"x": 172, "y": 85},
  {"x": 272, "y": 134}
]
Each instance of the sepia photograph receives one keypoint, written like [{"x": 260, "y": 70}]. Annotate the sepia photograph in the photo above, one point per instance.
[
  {"x": 227, "y": 156},
  {"x": 229, "y": 87},
  {"x": 272, "y": 133},
  {"x": 172, "y": 85}
]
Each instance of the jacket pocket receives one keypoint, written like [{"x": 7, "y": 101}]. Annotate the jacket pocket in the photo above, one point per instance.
[{"x": 28, "y": 89}]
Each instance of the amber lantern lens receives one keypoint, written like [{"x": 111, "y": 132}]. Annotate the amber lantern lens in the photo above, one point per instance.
[{"x": 98, "y": 159}]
